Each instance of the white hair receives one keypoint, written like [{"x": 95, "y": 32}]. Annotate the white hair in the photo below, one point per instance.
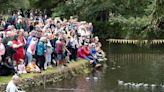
[{"x": 10, "y": 43}]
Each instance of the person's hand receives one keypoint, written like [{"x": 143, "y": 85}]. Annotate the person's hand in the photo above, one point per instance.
[
  {"x": 32, "y": 69},
  {"x": 69, "y": 53},
  {"x": 21, "y": 44},
  {"x": 0, "y": 58}
]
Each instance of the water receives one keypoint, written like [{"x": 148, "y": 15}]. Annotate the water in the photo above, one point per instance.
[{"x": 128, "y": 63}]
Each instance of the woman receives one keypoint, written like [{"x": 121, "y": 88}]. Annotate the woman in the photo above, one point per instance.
[
  {"x": 9, "y": 52},
  {"x": 6, "y": 65},
  {"x": 21, "y": 37},
  {"x": 99, "y": 52},
  {"x": 31, "y": 49},
  {"x": 83, "y": 52},
  {"x": 18, "y": 47},
  {"x": 40, "y": 50},
  {"x": 59, "y": 48},
  {"x": 49, "y": 50}
]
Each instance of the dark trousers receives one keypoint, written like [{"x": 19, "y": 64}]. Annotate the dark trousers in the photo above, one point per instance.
[
  {"x": 53, "y": 57},
  {"x": 6, "y": 69},
  {"x": 73, "y": 55},
  {"x": 26, "y": 60},
  {"x": 41, "y": 60}
]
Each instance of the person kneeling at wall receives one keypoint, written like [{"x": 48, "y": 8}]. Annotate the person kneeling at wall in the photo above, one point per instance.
[
  {"x": 95, "y": 64},
  {"x": 32, "y": 67},
  {"x": 84, "y": 53}
]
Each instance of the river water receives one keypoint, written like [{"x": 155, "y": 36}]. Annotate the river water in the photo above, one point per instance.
[{"x": 140, "y": 68}]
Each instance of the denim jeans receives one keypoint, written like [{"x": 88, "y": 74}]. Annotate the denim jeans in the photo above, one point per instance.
[{"x": 29, "y": 56}]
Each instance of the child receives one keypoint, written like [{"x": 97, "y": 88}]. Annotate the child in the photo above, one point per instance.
[
  {"x": 32, "y": 67},
  {"x": 21, "y": 68}
]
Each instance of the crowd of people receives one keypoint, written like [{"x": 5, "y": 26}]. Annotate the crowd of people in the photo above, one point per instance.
[{"x": 32, "y": 42}]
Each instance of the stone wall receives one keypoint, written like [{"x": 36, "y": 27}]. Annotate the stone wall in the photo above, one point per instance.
[{"x": 57, "y": 75}]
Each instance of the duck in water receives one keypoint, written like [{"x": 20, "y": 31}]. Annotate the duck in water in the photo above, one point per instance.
[{"x": 95, "y": 74}]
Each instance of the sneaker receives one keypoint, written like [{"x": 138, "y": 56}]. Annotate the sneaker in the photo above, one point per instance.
[
  {"x": 98, "y": 66},
  {"x": 50, "y": 66},
  {"x": 91, "y": 61},
  {"x": 105, "y": 59},
  {"x": 54, "y": 61},
  {"x": 64, "y": 64},
  {"x": 45, "y": 68}
]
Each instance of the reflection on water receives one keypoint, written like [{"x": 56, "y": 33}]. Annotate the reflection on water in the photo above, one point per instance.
[{"x": 131, "y": 64}]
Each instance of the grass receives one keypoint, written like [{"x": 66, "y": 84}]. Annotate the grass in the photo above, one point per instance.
[{"x": 6, "y": 79}]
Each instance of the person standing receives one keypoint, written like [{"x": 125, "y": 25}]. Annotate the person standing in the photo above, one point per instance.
[
  {"x": 31, "y": 49},
  {"x": 59, "y": 51},
  {"x": 18, "y": 47},
  {"x": 40, "y": 49},
  {"x": 49, "y": 50}
]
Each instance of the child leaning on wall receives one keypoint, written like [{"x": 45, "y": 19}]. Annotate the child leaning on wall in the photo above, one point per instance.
[{"x": 32, "y": 67}]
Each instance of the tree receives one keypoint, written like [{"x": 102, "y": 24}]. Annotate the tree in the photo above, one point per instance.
[
  {"x": 128, "y": 19},
  {"x": 153, "y": 29},
  {"x": 131, "y": 17},
  {"x": 8, "y": 5}
]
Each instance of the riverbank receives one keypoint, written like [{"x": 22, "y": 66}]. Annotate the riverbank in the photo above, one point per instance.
[{"x": 49, "y": 75}]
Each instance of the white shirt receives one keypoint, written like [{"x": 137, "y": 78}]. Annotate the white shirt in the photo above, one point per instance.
[
  {"x": 29, "y": 49},
  {"x": 11, "y": 87},
  {"x": 2, "y": 49},
  {"x": 74, "y": 42}
]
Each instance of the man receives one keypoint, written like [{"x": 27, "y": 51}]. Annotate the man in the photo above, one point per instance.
[{"x": 11, "y": 87}]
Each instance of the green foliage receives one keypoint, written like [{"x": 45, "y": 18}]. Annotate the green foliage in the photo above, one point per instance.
[
  {"x": 8, "y": 5},
  {"x": 85, "y": 9},
  {"x": 130, "y": 27},
  {"x": 128, "y": 19}
]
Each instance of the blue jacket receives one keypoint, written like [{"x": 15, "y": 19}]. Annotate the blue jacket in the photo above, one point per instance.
[
  {"x": 40, "y": 48},
  {"x": 28, "y": 41},
  {"x": 92, "y": 51}
]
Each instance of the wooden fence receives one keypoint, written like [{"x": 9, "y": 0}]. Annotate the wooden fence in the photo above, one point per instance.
[{"x": 124, "y": 41}]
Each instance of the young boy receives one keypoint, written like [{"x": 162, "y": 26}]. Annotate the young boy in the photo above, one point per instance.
[{"x": 32, "y": 67}]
